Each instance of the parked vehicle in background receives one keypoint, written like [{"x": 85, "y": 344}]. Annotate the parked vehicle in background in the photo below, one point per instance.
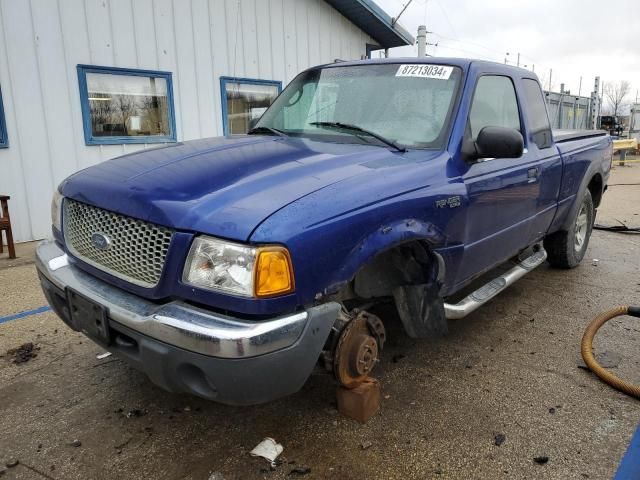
[
  {"x": 611, "y": 125},
  {"x": 231, "y": 267}
]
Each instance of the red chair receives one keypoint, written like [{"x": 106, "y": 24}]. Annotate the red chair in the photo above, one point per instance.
[{"x": 5, "y": 225}]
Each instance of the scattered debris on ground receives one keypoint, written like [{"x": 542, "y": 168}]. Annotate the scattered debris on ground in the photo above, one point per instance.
[
  {"x": 366, "y": 444},
  {"x": 23, "y": 353},
  {"x": 12, "y": 463},
  {"x": 76, "y": 443},
  {"x": 136, "y": 412},
  {"x": 268, "y": 449},
  {"x": 299, "y": 471},
  {"x": 100, "y": 356},
  {"x": 118, "y": 448},
  {"x": 499, "y": 439},
  {"x": 541, "y": 460}
]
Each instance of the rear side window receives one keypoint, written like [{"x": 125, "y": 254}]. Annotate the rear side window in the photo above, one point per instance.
[
  {"x": 494, "y": 105},
  {"x": 537, "y": 114}
]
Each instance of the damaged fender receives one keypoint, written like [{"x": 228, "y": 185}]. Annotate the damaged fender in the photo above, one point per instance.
[
  {"x": 384, "y": 239},
  {"x": 397, "y": 261}
]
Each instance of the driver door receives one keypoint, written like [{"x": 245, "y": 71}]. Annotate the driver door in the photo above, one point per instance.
[{"x": 502, "y": 192}]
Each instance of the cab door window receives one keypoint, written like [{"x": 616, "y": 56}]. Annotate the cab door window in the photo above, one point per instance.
[
  {"x": 537, "y": 114},
  {"x": 494, "y": 105}
]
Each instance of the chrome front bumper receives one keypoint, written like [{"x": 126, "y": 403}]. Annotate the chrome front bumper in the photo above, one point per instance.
[{"x": 176, "y": 323}]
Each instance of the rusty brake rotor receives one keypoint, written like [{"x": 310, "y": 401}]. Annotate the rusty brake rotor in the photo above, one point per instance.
[{"x": 356, "y": 353}]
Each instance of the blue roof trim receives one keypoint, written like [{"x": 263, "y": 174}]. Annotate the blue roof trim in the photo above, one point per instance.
[
  {"x": 374, "y": 21},
  {"x": 4, "y": 138}
]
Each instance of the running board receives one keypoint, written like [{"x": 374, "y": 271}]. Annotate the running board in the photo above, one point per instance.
[{"x": 485, "y": 293}]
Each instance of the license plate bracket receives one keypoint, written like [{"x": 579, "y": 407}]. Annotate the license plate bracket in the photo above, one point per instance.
[{"x": 88, "y": 316}]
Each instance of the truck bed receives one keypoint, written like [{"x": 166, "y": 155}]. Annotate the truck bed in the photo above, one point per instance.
[{"x": 567, "y": 135}]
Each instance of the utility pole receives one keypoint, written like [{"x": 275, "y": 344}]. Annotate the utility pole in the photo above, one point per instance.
[
  {"x": 517, "y": 62},
  {"x": 594, "y": 105},
  {"x": 422, "y": 41},
  {"x": 580, "y": 87},
  {"x": 549, "y": 91}
]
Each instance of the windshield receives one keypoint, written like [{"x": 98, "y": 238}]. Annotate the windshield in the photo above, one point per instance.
[{"x": 407, "y": 105}]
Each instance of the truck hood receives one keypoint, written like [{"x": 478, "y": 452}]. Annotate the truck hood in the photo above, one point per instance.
[{"x": 221, "y": 186}]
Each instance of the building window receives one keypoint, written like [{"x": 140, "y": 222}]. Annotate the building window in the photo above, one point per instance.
[
  {"x": 4, "y": 139},
  {"x": 120, "y": 105},
  {"x": 244, "y": 100}
]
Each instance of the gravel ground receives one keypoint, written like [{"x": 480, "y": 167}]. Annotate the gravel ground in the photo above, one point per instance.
[{"x": 510, "y": 370}]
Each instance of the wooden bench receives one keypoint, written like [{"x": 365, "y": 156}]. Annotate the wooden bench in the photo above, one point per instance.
[{"x": 5, "y": 226}]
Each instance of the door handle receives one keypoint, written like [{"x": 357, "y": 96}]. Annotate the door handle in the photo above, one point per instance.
[{"x": 532, "y": 174}]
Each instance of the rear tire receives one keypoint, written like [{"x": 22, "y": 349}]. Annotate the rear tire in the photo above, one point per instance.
[{"x": 566, "y": 249}]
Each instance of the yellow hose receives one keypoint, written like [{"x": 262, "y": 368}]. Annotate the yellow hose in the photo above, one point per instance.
[{"x": 587, "y": 349}]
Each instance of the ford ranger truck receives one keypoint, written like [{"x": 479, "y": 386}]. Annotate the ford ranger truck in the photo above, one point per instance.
[{"x": 232, "y": 267}]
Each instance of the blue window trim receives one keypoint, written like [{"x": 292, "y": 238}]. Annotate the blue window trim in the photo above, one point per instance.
[
  {"x": 4, "y": 138},
  {"x": 250, "y": 81},
  {"x": 89, "y": 139}
]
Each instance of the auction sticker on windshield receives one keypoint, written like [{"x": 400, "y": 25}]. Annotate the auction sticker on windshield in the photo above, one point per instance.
[{"x": 440, "y": 72}]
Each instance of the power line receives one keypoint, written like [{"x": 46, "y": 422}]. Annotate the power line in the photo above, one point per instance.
[
  {"x": 446, "y": 17},
  {"x": 469, "y": 43},
  {"x": 474, "y": 53},
  {"x": 395, "y": 19},
  {"x": 500, "y": 54}
]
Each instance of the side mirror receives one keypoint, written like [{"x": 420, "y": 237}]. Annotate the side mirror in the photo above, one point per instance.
[{"x": 499, "y": 142}]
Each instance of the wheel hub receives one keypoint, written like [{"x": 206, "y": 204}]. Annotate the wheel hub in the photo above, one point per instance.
[
  {"x": 366, "y": 354},
  {"x": 357, "y": 350}
]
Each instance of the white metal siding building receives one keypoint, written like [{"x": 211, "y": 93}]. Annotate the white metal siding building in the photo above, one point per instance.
[{"x": 191, "y": 47}]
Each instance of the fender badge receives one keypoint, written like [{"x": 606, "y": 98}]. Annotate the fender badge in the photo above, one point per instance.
[{"x": 451, "y": 202}]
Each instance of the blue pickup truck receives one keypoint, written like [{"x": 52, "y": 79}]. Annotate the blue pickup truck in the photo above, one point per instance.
[{"x": 233, "y": 267}]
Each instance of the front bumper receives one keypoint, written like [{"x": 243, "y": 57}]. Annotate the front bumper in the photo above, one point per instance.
[{"x": 184, "y": 348}]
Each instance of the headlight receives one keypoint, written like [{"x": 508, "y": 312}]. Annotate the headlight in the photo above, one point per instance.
[
  {"x": 239, "y": 269},
  {"x": 56, "y": 210}
]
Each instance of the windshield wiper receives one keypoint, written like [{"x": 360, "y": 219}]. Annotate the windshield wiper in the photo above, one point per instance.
[
  {"x": 273, "y": 131},
  {"x": 355, "y": 128}
]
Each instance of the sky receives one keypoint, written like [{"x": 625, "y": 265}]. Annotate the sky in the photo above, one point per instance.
[{"x": 573, "y": 38}]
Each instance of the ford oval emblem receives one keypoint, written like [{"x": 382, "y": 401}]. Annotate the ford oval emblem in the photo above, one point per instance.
[{"x": 100, "y": 241}]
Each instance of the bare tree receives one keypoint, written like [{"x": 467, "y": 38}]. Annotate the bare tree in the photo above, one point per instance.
[
  {"x": 615, "y": 94},
  {"x": 126, "y": 106},
  {"x": 101, "y": 113},
  {"x": 605, "y": 109}
]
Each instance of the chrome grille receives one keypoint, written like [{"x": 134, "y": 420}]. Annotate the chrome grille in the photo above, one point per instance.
[{"x": 135, "y": 250}]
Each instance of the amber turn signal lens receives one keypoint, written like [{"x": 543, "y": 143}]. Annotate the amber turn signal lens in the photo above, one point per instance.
[{"x": 274, "y": 273}]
